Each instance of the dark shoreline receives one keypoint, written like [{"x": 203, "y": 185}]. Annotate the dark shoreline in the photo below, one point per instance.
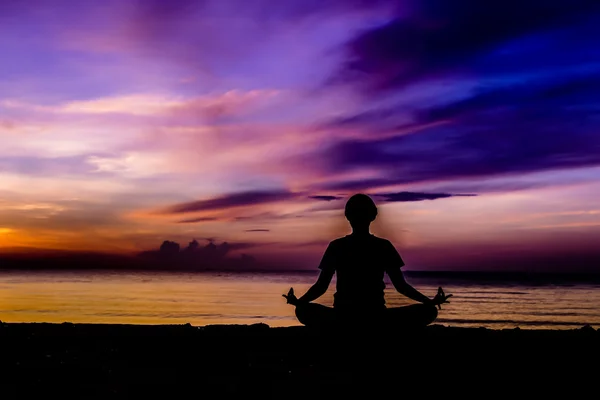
[{"x": 255, "y": 361}]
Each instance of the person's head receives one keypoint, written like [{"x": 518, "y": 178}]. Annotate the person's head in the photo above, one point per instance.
[{"x": 360, "y": 211}]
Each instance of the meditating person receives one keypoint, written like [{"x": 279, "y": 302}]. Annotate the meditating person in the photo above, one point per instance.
[{"x": 360, "y": 261}]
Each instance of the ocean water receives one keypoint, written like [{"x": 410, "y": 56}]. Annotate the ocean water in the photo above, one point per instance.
[{"x": 226, "y": 298}]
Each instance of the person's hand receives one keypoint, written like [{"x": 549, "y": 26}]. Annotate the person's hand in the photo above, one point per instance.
[
  {"x": 291, "y": 297},
  {"x": 441, "y": 298}
]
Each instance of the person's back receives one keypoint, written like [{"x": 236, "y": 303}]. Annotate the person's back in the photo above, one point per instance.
[{"x": 360, "y": 262}]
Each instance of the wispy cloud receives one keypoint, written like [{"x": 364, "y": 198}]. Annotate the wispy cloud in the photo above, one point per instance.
[
  {"x": 230, "y": 201},
  {"x": 416, "y": 196},
  {"x": 257, "y": 198},
  {"x": 407, "y": 49},
  {"x": 196, "y": 220},
  {"x": 325, "y": 198},
  {"x": 231, "y": 102}
]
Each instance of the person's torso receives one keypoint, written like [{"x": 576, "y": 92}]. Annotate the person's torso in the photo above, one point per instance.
[{"x": 360, "y": 266}]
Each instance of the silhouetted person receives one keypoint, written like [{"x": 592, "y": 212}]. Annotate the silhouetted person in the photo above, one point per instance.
[{"x": 360, "y": 261}]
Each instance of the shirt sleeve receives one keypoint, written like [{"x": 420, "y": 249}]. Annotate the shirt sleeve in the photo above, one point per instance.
[
  {"x": 328, "y": 261},
  {"x": 393, "y": 259}
]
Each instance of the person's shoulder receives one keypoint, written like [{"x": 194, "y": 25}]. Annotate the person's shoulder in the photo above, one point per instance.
[{"x": 340, "y": 243}]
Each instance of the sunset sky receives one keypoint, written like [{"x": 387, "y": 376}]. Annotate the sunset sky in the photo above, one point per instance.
[{"x": 475, "y": 125}]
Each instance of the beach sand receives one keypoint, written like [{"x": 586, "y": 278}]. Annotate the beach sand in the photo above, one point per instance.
[{"x": 255, "y": 361}]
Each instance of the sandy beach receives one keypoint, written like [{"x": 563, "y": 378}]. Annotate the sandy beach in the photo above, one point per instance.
[{"x": 255, "y": 361}]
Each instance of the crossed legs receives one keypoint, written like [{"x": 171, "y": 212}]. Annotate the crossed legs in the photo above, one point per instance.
[{"x": 413, "y": 316}]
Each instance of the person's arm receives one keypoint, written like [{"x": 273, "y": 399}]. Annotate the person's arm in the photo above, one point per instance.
[
  {"x": 394, "y": 262},
  {"x": 405, "y": 288},
  {"x": 319, "y": 288},
  {"x": 327, "y": 267}
]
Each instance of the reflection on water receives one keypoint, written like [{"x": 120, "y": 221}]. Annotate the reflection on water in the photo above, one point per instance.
[{"x": 201, "y": 299}]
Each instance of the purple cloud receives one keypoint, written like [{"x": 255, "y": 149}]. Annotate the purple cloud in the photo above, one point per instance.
[
  {"x": 257, "y": 230},
  {"x": 268, "y": 216},
  {"x": 46, "y": 166},
  {"x": 230, "y": 201},
  {"x": 416, "y": 196},
  {"x": 325, "y": 198},
  {"x": 163, "y": 14},
  {"x": 540, "y": 125},
  {"x": 519, "y": 141},
  {"x": 211, "y": 35},
  {"x": 199, "y": 219},
  {"x": 354, "y": 185},
  {"x": 255, "y": 198},
  {"x": 534, "y": 95},
  {"x": 442, "y": 38}
]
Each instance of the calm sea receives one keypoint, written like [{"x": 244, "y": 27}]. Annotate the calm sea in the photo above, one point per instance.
[{"x": 221, "y": 298}]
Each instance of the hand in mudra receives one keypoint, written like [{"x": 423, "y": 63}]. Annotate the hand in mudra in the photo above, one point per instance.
[
  {"x": 291, "y": 297},
  {"x": 441, "y": 298}
]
